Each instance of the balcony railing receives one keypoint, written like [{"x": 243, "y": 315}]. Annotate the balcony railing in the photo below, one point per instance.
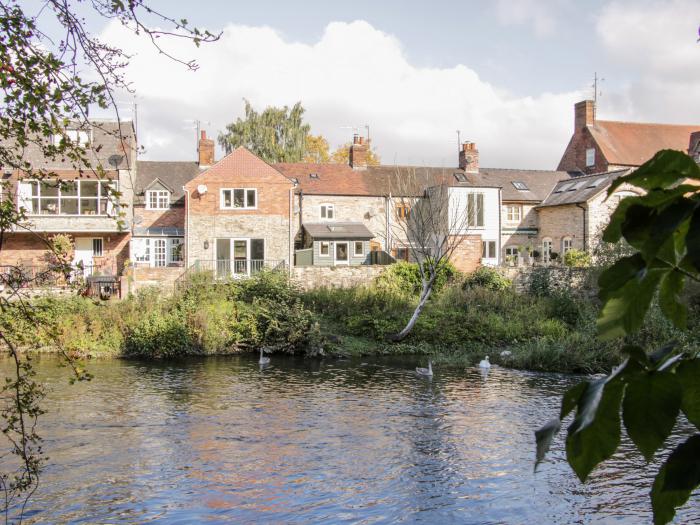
[{"x": 43, "y": 276}]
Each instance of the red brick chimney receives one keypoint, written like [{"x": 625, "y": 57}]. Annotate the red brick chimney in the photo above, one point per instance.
[
  {"x": 205, "y": 148},
  {"x": 584, "y": 114},
  {"x": 358, "y": 153},
  {"x": 469, "y": 158}
]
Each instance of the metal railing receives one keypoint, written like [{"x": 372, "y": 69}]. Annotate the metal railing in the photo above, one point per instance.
[{"x": 49, "y": 275}]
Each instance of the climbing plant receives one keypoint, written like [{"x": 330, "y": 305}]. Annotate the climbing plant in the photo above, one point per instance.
[{"x": 649, "y": 390}]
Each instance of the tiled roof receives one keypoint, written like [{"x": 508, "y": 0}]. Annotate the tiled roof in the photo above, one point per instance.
[
  {"x": 581, "y": 189},
  {"x": 171, "y": 173},
  {"x": 632, "y": 143},
  {"x": 341, "y": 179},
  {"x": 538, "y": 182},
  {"x": 337, "y": 230}
]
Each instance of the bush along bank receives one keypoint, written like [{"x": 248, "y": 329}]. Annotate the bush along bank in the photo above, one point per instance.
[{"x": 467, "y": 317}]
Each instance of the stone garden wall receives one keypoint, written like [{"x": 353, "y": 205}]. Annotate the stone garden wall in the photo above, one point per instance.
[{"x": 309, "y": 277}]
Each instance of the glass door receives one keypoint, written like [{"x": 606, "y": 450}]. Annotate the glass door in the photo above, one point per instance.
[
  {"x": 223, "y": 257},
  {"x": 341, "y": 253},
  {"x": 240, "y": 256},
  {"x": 160, "y": 253}
]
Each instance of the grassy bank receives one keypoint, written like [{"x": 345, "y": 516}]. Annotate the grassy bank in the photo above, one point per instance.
[{"x": 463, "y": 321}]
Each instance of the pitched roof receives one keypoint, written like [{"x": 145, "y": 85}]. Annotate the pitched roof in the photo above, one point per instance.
[
  {"x": 174, "y": 174},
  {"x": 581, "y": 189},
  {"x": 341, "y": 179},
  {"x": 539, "y": 183},
  {"x": 633, "y": 143},
  {"x": 337, "y": 230}
]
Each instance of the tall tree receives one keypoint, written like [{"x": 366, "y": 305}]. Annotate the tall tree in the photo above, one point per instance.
[
  {"x": 341, "y": 155},
  {"x": 275, "y": 135},
  {"x": 317, "y": 150},
  {"x": 42, "y": 92}
]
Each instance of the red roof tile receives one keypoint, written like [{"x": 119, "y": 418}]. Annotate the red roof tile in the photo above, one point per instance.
[{"x": 632, "y": 143}]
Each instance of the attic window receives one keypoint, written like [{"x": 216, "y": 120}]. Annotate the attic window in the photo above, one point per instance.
[
  {"x": 461, "y": 177},
  {"x": 336, "y": 228},
  {"x": 314, "y": 176},
  {"x": 595, "y": 183},
  {"x": 520, "y": 185},
  {"x": 564, "y": 187},
  {"x": 577, "y": 185}
]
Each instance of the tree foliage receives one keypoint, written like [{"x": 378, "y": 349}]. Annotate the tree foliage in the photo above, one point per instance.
[
  {"x": 649, "y": 389},
  {"x": 317, "y": 149},
  {"x": 275, "y": 135},
  {"x": 43, "y": 92}
]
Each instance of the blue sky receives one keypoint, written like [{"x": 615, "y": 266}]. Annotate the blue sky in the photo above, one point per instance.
[{"x": 506, "y": 73}]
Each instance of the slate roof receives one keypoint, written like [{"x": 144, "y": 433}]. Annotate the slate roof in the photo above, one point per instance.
[
  {"x": 581, "y": 189},
  {"x": 173, "y": 174},
  {"x": 538, "y": 182},
  {"x": 634, "y": 143},
  {"x": 337, "y": 230}
]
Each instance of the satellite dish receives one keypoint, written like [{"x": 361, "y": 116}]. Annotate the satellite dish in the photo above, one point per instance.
[
  {"x": 202, "y": 189},
  {"x": 115, "y": 160}
]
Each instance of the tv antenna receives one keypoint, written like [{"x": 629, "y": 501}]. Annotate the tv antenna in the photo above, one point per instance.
[{"x": 597, "y": 92}]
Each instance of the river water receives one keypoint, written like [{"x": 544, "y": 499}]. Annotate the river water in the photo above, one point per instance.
[{"x": 219, "y": 440}]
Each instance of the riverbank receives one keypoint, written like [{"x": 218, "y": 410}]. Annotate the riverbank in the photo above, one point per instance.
[{"x": 461, "y": 323}]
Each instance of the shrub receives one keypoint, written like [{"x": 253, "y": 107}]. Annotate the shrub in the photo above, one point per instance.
[
  {"x": 157, "y": 335},
  {"x": 404, "y": 277},
  {"x": 577, "y": 259},
  {"x": 539, "y": 285},
  {"x": 486, "y": 277}
]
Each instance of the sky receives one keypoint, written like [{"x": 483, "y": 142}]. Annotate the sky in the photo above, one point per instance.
[{"x": 506, "y": 74}]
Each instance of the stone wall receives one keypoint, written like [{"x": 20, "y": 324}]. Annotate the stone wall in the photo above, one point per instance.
[
  {"x": 163, "y": 278},
  {"x": 576, "y": 280},
  {"x": 335, "y": 276}
]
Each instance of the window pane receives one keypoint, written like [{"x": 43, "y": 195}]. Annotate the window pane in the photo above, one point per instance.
[
  {"x": 240, "y": 249},
  {"x": 359, "y": 247},
  {"x": 69, "y": 189},
  {"x": 480, "y": 209},
  {"x": 238, "y": 196},
  {"x": 97, "y": 247},
  {"x": 251, "y": 199},
  {"x": 69, "y": 206},
  {"x": 49, "y": 189},
  {"x": 88, "y": 188},
  {"x": 323, "y": 212},
  {"x": 325, "y": 248},
  {"x": 227, "y": 198},
  {"x": 104, "y": 206},
  {"x": 49, "y": 206},
  {"x": 257, "y": 249},
  {"x": 88, "y": 206}
]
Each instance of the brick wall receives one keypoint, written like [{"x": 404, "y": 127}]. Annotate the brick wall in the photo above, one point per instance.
[
  {"x": 174, "y": 216},
  {"x": 557, "y": 222},
  {"x": 574, "y": 158},
  {"x": 467, "y": 256},
  {"x": 269, "y": 220}
]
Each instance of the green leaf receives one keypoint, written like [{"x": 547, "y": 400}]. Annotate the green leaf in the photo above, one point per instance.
[
  {"x": 595, "y": 433},
  {"x": 544, "y": 437},
  {"x": 663, "y": 170},
  {"x": 692, "y": 240},
  {"x": 670, "y": 291},
  {"x": 571, "y": 398},
  {"x": 650, "y": 408},
  {"x": 678, "y": 477},
  {"x": 689, "y": 377},
  {"x": 636, "y": 355}
]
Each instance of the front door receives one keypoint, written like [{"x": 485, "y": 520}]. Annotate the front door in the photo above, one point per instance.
[
  {"x": 342, "y": 255},
  {"x": 160, "y": 252},
  {"x": 85, "y": 249},
  {"x": 240, "y": 256}
]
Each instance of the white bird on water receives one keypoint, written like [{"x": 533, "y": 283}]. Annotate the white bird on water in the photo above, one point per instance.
[
  {"x": 263, "y": 360},
  {"x": 485, "y": 363},
  {"x": 426, "y": 372}
]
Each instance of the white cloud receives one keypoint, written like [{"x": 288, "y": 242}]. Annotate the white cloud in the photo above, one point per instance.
[
  {"x": 655, "y": 44},
  {"x": 538, "y": 13},
  {"x": 353, "y": 75}
]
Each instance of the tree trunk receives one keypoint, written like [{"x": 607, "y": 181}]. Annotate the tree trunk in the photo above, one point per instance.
[{"x": 424, "y": 296}]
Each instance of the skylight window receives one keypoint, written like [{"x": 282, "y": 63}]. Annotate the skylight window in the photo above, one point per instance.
[
  {"x": 313, "y": 176},
  {"x": 595, "y": 183},
  {"x": 565, "y": 187},
  {"x": 520, "y": 185},
  {"x": 577, "y": 185},
  {"x": 461, "y": 177}
]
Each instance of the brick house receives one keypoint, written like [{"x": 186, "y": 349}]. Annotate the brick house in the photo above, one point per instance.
[
  {"x": 598, "y": 146},
  {"x": 80, "y": 205},
  {"x": 238, "y": 216}
]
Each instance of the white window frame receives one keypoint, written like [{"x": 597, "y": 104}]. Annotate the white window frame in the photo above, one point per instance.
[
  {"x": 567, "y": 244},
  {"x": 513, "y": 249},
  {"x": 546, "y": 249},
  {"x": 78, "y": 136},
  {"x": 233, "y": 200},
  {"x": 328, "y": 211},
  {"x": 486, "y": 252},
  {"x": 27, "y": 197},
  {"x": 97, "y": 247},
  {"x": 514, "y": 213},
  {"x": 590, "y": 157},
  {"x": 161, "y": 199},
  {"x": 146, "y": 253},
  {"x": 337, "y": 261},
  {"x": 355, "y": 253},
  {"x": 320, "y": 249},
  {"x": 475, "y": 210},
  {"x": 174, "y": 243}
]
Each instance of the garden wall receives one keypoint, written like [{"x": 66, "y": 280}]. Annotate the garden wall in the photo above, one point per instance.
[
  {"x": 577, "y": 280},
  {"x": 335, "y": 277}
]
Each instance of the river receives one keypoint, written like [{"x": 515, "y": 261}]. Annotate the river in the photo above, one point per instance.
[{"x": 219, "y": 440}]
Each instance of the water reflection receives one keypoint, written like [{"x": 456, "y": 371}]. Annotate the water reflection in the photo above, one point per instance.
[{"x": 223, "y": 440}]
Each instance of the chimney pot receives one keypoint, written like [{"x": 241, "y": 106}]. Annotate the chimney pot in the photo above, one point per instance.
[
  {"x": 205, "y": 149},
  {"x": 358, "y": 153},
  {"x": 469, "y": 158}
]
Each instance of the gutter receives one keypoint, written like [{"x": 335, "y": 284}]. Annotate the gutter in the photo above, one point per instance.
[
  {"x": 585, "y": 226},
  {"x": 187, "y": 227}
]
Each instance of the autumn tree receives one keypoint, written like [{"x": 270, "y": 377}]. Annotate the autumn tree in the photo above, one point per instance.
[
  {"x": 43, "y": 90},
  {"x": 317, "y": 149},
  {"x": 341, "y": 155},
  {"x": 275, "y": 135}
]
